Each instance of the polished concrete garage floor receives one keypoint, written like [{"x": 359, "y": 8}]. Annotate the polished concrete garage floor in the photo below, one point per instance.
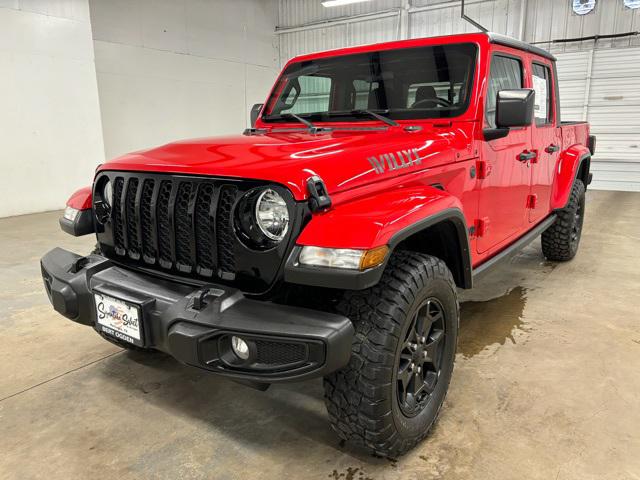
[{"x": 547, "y": 382}]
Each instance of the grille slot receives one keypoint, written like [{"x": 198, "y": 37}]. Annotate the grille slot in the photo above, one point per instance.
[
  {"x": 165, "y": 236},
  {"x": 225, "y": 231},
  {"x": 147, "y": 221},
  {"x": 280, "y": 353},
  {"x": 183, "y": 222},
  {"x": 118, "y": 224},
  {"x": 178, "y": 223},
  {"x": 133, "y": 242},
  {"x": 204, "y": 221}
]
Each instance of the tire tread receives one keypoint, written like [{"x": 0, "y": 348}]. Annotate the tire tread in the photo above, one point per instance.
[
  {"x": 358, "y": 397},
  {"x": 556, "y": 240}
]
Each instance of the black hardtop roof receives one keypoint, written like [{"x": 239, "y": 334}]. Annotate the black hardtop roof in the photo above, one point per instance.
[{"x": 500, "y": 39}]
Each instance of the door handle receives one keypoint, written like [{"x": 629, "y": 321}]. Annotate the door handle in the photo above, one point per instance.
[
  {"x": 552, "y": 148},
  {"x": 526, "y": 156}
]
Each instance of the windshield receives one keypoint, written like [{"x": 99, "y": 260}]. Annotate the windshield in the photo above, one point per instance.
[{"x": 409, "y": 83}]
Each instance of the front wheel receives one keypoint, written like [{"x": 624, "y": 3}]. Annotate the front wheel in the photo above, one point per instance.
[{"x": 389, "y": 395}]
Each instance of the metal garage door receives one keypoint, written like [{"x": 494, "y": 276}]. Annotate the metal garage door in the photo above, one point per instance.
[{"x": 603, "y": 87}]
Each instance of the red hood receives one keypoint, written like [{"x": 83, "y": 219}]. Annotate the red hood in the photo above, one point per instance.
[{"x": 340, "y": 158}]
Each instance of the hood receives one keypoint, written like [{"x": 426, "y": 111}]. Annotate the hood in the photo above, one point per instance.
[{"x": 344, "y": 159}]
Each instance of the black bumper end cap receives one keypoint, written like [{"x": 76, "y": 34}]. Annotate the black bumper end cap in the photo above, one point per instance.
[
  {"x": 65, "y": 301},
  {"x": 181, "y": 338},
  {"x": 67, "y": 288}
]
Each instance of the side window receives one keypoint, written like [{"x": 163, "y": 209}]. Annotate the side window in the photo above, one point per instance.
[
  {"x": 310, "y": 94},
  {"x": 505, "y": 74},
  {"x": 542, "y": 86}
]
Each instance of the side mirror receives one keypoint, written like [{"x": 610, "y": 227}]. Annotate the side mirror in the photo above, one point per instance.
[
  {"x": 255, "y": 112},
  {"x": 514, "y": 108}
]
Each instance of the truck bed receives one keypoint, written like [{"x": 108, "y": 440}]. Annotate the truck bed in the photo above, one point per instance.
[{"x": 574, "y": 133}]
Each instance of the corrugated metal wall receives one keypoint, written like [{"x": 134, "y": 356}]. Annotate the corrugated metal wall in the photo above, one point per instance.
[
  {"x": 295, "y": 13},
  {"x": 553, "y": 19},
  {"x": 338, "y": 35},
  {"x": 599, "y": 81},
  {"x": 573, "y": 69},
  {"x": 603, "y": 87},
  {"x": 431, "y": 18}
]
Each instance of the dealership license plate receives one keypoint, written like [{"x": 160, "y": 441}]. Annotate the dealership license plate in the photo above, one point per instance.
[{"x": 118, "y": 318}]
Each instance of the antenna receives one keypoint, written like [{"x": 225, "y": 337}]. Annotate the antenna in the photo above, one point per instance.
[{"x": 472, "y": 21}]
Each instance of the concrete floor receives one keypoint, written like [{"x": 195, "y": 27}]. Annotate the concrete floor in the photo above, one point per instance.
[{"x": 546, "y": 382}]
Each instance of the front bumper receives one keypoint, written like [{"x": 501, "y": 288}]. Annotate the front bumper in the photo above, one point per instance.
[{"x": 194, "y": 325}]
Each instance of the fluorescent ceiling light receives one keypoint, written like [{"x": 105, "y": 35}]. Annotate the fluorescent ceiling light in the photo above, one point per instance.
[{"x": 338, "y": 3}]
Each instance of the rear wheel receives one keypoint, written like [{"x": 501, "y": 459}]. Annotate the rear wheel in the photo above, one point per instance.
[
  {"x": 389, "y": 395},
  {"x": 561, "y": 240}
]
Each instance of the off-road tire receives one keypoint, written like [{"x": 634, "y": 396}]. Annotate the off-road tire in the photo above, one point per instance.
[
  {"x": 561, "y": 240},
  {"x": 362, "y": 398}
]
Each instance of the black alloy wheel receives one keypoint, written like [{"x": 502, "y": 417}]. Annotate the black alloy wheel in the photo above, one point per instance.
[{"x": 420, "y": 359}]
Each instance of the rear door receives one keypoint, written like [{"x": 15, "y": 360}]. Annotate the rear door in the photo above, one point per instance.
[
  {"x": 545, "y": 137},
  {"x": 504, "y": 190}
]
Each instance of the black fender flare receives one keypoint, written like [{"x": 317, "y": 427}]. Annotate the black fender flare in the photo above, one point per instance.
[
  {"x": 357, "y": 280},
  {"x": 458, "y": 220},
  {"x": 586, "y": 179}
]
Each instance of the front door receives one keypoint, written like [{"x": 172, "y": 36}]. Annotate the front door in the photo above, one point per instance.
[{"x": 504, "y": 190}]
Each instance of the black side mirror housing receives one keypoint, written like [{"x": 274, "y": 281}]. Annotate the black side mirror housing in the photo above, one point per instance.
[
  {"x": 514, "y": 108},
  {"x": 255, "y": 112}
]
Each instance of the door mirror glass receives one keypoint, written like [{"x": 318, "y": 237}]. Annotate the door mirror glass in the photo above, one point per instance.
[
  {"x": 514, "y": 108},
  {"x": 255, "y": 112}
]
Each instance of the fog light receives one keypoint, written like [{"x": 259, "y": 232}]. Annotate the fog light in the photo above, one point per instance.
[{"x": 240, "y": 347}]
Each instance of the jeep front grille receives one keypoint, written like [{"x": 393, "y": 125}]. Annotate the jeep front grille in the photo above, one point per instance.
[
  {"x": 183, "y": 225},
  {"x": 177, "y": 223}
]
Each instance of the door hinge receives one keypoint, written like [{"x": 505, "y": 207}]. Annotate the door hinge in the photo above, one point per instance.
[
  {"x": 483, "y": 169},
  {"x": 479, "y": 228},
  {"x": 531, "y": 201}
]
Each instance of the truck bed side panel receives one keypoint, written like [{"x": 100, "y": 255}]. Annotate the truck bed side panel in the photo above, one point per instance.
[{"x": 574, "y": 150}]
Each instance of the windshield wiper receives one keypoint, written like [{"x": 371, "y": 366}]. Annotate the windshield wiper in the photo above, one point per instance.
[
  {"x": 312, "y": 128},
  {"x": 377, "y": 116}
]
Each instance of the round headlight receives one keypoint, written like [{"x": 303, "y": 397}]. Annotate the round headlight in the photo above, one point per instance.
[
  {"x": 272, "y": 215},
  {"x": 107, "y": 193}
]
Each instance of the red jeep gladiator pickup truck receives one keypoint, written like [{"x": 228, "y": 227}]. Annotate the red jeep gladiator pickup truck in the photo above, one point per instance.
[{"x": 330, "y": 239}]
